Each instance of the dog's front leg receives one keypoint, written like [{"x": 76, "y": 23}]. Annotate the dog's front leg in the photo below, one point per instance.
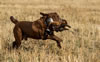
[
  {"x": 42, "y": 34},
  {"x": 57, "y": 39}
]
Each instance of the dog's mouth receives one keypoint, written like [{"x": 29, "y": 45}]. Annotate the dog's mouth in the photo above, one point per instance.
[{"x": 63, "y": 27}]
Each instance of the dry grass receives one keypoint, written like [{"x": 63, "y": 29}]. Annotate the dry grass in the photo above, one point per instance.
[{"x": 81, "y": 45}]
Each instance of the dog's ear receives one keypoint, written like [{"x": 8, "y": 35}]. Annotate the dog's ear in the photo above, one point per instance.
[{"x": 43, "y": 14}]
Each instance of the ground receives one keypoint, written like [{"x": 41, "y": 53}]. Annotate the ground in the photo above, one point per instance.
[{"x": 80, "y": 44}]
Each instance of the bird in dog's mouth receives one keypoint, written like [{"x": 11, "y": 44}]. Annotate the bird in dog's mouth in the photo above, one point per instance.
[{"x": 64, "y": 26}]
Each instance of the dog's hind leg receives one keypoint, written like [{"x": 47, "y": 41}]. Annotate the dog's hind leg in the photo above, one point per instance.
[{"x": 18, "y": 37}]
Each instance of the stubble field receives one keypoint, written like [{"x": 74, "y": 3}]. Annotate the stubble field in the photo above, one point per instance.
[{"x": 80, "y": 44}]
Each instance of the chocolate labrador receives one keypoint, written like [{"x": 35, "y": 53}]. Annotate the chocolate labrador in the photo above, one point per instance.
[{"x": 42, "y": 28}]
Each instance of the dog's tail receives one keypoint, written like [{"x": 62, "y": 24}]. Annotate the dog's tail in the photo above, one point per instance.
[{"x": 13, "y": 20}]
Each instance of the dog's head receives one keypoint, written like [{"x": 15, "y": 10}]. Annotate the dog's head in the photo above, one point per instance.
[
  {"x": 51, "y": 17},
  {"x": 56, "y": 22}
]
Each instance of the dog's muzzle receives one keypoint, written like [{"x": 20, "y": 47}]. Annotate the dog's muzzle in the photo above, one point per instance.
[{"x": 64, "y": 27}]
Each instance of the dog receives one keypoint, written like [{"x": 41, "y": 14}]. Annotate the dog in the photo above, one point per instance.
[
  {"x": 64, "y": 23},
  {"x": 42, "y": 28}
]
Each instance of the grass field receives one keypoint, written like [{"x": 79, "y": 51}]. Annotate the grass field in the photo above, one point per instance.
[{"x": 80, "y": 45}]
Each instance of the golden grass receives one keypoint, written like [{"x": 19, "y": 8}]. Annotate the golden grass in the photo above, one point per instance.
[{"x": 80, "y": 44}]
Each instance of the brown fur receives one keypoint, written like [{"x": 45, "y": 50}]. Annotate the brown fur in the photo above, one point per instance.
[{"x": 36, "y": 29}]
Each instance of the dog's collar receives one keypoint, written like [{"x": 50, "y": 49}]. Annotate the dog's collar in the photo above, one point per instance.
[
  {"x": 48, "y": 31},
  {"x": 48, "y": 20}
]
